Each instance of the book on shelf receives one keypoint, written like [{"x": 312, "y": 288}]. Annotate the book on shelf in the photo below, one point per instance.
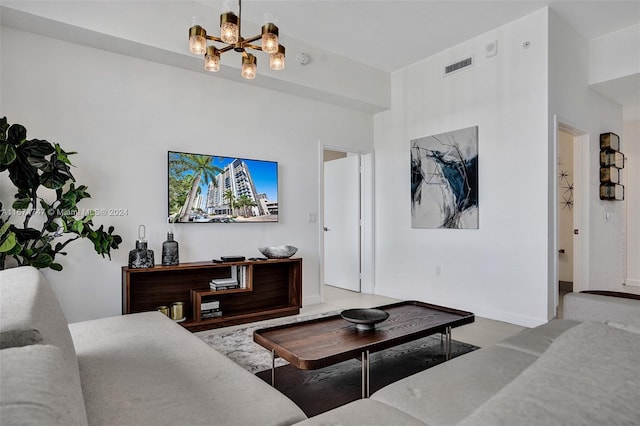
[
  {"x": 214, "y": 304},
  {"x": 224, "y": 281},
  {"x": 238, "y": 278},
  {"x": 224, "y": 287},
  {"x": 242, "y": 275},
  {"x": 209, "y": 315}
]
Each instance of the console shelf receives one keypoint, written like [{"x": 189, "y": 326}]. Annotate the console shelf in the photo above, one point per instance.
[{"x": 273, "y": 289}]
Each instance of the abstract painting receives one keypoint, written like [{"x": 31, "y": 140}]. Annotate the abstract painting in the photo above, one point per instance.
[{"x": 444, "y": 180}]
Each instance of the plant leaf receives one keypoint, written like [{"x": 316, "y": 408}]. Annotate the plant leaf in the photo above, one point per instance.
[
  {"x": 77, "y": 226},
  {"x": 43, "y": 260},
  {"x": 37, "y": 148},
  {"x": 7, "y": 243},
  {"x": 7, "y": 238},
  {"x": 16, "y": 134},
  {"x": 4, "y": 125},
  {"x": 55, "y": 266},
  {"x": 7, "y": 153},
  {"x": 21, "y": 204},
  {"x": 23, "y": 175}
]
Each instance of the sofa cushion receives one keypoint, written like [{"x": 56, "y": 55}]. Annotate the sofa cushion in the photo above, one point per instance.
[
  {"x": 536, "y": 340},
  {"x": 38, "y": 388},
  {"x": 363, "y": 412},
  {"x": 18, "y": 338},
  {"x": 448, "y": 392},
  {"x": 144, "y": 369},
  {"x": 595, "y": 307},
  {"x": 588, "y": 376},
  {"x": 27, "y": 302}
]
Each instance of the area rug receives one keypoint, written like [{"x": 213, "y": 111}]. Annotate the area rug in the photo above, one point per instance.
[
  {"x": 317, "y": 391},
  {"x": 237, "y": 344}
]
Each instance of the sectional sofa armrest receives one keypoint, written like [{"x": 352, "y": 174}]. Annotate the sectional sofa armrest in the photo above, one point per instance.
[{"x": 602, "y": 307}]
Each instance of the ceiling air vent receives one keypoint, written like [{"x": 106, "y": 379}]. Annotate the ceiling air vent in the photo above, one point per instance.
[{"x": 457, "y": 66}]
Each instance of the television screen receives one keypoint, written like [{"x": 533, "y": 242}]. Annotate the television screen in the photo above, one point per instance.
[{"x": 216, "y": 189}]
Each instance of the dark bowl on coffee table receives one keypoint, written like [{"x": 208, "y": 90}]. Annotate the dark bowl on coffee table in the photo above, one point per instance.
[{"x": 364, "y": 319}]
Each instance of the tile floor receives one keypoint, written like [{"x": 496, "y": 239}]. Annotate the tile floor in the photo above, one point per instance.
[{"x": 483, "y": 332}]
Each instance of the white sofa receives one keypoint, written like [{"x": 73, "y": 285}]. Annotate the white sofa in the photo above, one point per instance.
[
  {"x": 143, "y": 369},
  {"x": 580, "y": 370},
  {"x": 140, "y": 369}
]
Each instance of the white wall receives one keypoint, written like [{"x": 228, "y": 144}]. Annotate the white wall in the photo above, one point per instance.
[
  {"x": 631, "y": 176},
  {"x": 575, "y": 104},
  {"x": 500, "y": 270},
  {"x": 122, "y": 115}
]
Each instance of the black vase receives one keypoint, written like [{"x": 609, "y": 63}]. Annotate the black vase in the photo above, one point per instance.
[
  {"x": 141, "y": 257},
  {"x": 170, "y": 251}
]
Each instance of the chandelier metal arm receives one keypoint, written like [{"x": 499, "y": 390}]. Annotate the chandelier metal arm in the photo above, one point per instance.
[
  {"x": 214, "y": 38},
  {"x": 225, "y": 49},
  {"x": 252, "y": 46},
  {"x": 249, "y": 40},
  {"x": 245, "y": 43}
]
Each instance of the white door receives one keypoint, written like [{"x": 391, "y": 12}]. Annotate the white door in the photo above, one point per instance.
[{"x": 342, "y": 223}]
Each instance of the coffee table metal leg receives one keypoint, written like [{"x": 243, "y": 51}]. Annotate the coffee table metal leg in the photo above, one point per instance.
[
  {"x": 448, "y": 341},
  {"x": 365, "y": 374},
  {"x": 273, "y": 368}
]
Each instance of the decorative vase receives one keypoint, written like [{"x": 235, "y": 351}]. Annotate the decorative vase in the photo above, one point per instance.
[
  {"x": 170, "y": 251},
  {"x": 141, "y": 256}
]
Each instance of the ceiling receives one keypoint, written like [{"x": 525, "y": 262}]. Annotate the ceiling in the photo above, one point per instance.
[{"x": 392, "y": 34}]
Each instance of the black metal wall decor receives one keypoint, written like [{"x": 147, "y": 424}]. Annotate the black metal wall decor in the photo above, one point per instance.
[{"x": 611, "y": 162}]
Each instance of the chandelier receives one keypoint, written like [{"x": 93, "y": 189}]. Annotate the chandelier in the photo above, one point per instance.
[{"x": 232, "y": 38}]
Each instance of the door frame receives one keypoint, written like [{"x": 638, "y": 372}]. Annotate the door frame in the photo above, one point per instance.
[
  {"x": 367, "y": 266},
  {"x": 581, "y": 171}
]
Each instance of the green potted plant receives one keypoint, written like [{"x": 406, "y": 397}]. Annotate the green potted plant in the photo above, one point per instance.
[{"x": 45, "y": 203}]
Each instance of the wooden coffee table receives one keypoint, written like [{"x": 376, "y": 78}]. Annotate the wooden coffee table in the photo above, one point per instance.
[{"x": 320, "y": 342}]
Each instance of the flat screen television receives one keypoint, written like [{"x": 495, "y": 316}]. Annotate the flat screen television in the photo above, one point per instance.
[{"x": 216, "y": 189}]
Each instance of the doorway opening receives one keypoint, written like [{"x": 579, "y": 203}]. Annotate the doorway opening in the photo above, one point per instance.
[
  {"x": 571, "y": 169},
  {"x": 566, "y": 208}
]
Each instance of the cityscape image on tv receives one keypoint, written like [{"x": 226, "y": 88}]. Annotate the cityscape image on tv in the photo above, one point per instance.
[{"x": 215, "y": 189}]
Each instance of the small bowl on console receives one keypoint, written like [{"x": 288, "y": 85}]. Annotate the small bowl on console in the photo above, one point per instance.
[{"x": 278, "y": 252}]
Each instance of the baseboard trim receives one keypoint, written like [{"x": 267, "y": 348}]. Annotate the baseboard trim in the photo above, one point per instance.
[
  {"x": 312, "y": 300},
  {"x": 632, "y": 282}
]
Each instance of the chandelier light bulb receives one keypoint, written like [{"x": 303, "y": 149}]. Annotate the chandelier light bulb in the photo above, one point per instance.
[
  {"x": 276, "y": 60},
  {"x": 229, "y": 28},
  {"x": 249, "y": 65},
  {"x": 212, "y": 59},
  {"x": 197, "y": 40},
  {"x": 269, "y": 38}
]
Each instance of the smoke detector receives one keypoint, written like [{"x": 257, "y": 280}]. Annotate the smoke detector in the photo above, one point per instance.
[{"x": 302, "y": 58}]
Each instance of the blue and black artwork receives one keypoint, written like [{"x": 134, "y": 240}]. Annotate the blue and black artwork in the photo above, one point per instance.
[{"x": 444, "y": 180}]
